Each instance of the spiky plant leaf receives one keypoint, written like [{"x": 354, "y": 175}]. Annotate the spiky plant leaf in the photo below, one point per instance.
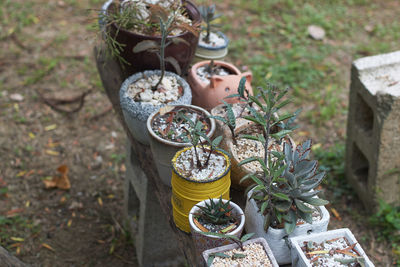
[
  {"x": 241, "y": 87},
  {"x": 248, "y": 160},
  {"x": 246, "y": 237},
  {"x": 281, "y": 196}
]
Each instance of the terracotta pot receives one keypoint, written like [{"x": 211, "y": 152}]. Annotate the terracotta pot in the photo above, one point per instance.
[
  {"x": 204, "y": 242},
  {"x": 209, "y": 95},
  {"x": 164, "y": 150},
  {"x": 182, "y": 52}
]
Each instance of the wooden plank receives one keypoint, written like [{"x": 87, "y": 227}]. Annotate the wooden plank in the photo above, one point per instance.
[
  {"x": 112, "y": 77},
  {"x": 8, "y": 260}
]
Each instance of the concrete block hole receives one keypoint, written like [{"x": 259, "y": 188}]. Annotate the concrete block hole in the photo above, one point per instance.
[
  {"x": 360, "y": 166},
  {"x": 364, "y": 114}
]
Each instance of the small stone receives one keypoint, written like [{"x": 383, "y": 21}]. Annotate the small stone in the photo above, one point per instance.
[
  {"x": 369, "y": 28},
  {"x": 316, "y": 32},
  {"x": 17, "y": 97}
]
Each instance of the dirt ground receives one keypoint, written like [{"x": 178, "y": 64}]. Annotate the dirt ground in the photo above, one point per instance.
[{"x": 48, "y": 52}]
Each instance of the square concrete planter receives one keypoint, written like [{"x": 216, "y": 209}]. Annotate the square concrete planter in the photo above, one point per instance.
[
  {"x": 277, "y": 238},
  {"x": 226, "y": 248},
  {"x": 299, "y": 258}
]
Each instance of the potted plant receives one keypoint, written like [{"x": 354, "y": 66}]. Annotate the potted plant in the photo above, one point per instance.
[
  {"x": 234, "y": 127},
  {"x": 215, "y": 216},
  {"x": 212, "y": 81},
  {"x": 244, "y": 252},
  {"x": 127, "y": 23},
  {"x": 143, "y": 93},
  {"x": 332, "y": 248},
  {"x": 282, "y": 202},
  {"x": 211, "y": 45},
  {"x": 166, "y": 127},
  {"x": 199, "y": 172}
]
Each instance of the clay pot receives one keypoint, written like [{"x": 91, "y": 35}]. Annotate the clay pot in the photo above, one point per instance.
[
  {"x": 209, "y": 95},
  {"x": 141, "y": 61}
]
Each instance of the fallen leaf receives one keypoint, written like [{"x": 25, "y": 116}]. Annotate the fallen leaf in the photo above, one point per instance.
[
  {"x": 166, "y": 109},
  {"x": 17, "y": 239},
  {"x": 21, "y": 173},
  {"x": 69, "y": 223},
  {"x": 18, "y": 250},
  {"x": 52, "y": 152},
  {"x": 318, "y": 252},
  {"x": 336, "y": 214},
  {"x": 13, "y": 212},
  {"x": 100, "y": 201},
  {"x": 199, "y": 225},
  {"x": 48, "y": 247},
  {"x": 50, "y": 127},
  {"x": 32, "y": 135},
  {"x": 27, "y": 204},
  {"x": 61, "y": 182}
]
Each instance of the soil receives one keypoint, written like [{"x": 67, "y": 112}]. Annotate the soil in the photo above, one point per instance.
[{"x": 170, "y": 125}]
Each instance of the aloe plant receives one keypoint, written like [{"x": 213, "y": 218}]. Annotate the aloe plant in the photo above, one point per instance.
[{"x": 216, "y": 212}]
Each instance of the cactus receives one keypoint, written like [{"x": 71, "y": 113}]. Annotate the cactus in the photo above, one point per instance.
[{"x": 216, "y": 212}]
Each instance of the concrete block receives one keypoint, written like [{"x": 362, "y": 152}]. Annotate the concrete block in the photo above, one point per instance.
[
  {"x": 153, "y": 238},
  {"x": 373, "y": 129}
]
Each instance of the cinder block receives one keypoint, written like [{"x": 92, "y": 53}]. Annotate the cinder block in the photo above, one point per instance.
[
  {"x": 153, "y": 238},
  {"x": 373, "y": 129}
]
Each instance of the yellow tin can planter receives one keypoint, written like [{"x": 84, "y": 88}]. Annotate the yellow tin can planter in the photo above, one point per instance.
[{"x": 186, "y": 192}]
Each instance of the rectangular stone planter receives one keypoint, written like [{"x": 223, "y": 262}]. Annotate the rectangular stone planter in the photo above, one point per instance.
[
  {"x": 264, "y": 243},
  {"x": 299, "y": 259}
]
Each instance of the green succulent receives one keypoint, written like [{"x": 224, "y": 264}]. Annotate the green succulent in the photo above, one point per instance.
[
  {"x": 208, "y": 15},
  {"x": 216, "y": 212}
]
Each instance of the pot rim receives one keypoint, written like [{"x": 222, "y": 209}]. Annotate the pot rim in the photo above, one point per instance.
[
  {"x": 202, "y": 203},
  {"x": 176, "y": 144},
  {"x": 225, "y": 45},
  {"x": 184, "y": 2},
  {"x": 193, "y": 70},
  {"x": 227, "y": 169}
]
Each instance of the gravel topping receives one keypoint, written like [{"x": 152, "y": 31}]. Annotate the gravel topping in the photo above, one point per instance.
[
  {"x": 205, "y": 76},
  {"x": 186, "y": 164},
  {"x": 168, "y": 91},
  {"x": 255, "y": 257},
  {"x": 215, "y": 40}
]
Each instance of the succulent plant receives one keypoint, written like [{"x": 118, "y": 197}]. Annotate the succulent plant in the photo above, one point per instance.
[
  {"x": 208, "y": 14},
  {"x": 285, "y": 191},
  {"x": 216, "y": 212}
]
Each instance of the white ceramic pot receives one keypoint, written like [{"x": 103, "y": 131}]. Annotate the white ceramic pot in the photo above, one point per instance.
[
  {"x": 136, "y": 113},
  {"x": 204, "y": 242},
  {"x": 300, "y": 260},
  {"x": 277, "y": 238},
  {"x": 164, "y": 150},
  {"x": 225, "y": 248},
  {"x": 205, "y": 51}
]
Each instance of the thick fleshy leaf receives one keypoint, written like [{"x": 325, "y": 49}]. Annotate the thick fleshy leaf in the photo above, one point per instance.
[
  {"x": 246, "y": 237},
  {"x": 301, "y": 206},
  {"x": 175, "y": 64},
  {"x": 241, "y": 86},
  {"x": 245, "y": 161},
  {"x": 145, "y": 46},
  {"x": 304, "y": 167},
  {"x": 219, "y": 118},
  {"x": 315, "y": 201},
  {"x": 281, "y": 196},
  {"x": 283, "y": 206},
  {"x": 264, "y": 206},
  {"x": 307, "y": 217},
  {"x": 178, "y": 40}
]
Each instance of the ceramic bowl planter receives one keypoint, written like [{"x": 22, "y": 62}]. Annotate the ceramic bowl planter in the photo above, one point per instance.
[
  {"x": 217, "y": 48},
  {"x": 252, "y": 247},
  {"x": 277, "y": 238},
  {"x": 341, "y": 241},
  {"x": 162, "y": 147},
  {"x": 204, "y": 242},
  {"x": 188, "y": 191},
  {"x": 136, "y": 113},
  {"x": 180, "y": 51},
  {"x": 208, "y": 92}
]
